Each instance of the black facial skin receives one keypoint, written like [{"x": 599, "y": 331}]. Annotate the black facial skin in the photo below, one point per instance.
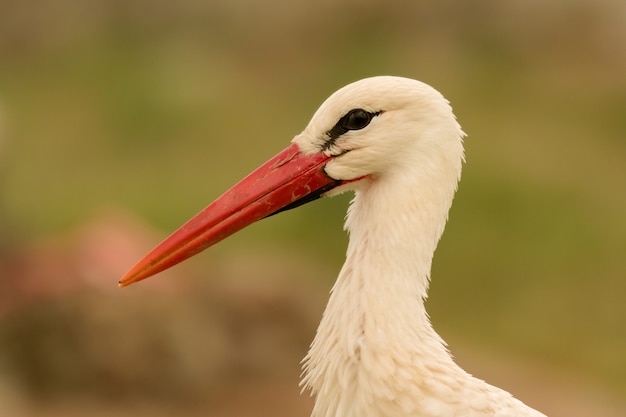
[{"x": 355, "y": 119}]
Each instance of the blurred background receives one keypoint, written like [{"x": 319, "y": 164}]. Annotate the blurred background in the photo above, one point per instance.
[{"x": 121, "y": 119}]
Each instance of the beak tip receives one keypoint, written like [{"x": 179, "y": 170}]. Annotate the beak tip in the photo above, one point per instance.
[{"x": 127, "y": 280}]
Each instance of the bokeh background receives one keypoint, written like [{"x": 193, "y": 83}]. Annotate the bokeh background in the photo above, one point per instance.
[{"x": 119, "y": 119}]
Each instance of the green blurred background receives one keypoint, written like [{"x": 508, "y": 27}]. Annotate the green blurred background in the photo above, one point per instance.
[{"x": 120, "y": 119}]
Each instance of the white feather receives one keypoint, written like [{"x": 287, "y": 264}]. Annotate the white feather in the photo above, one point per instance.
[{"x": 375, "y": 353}]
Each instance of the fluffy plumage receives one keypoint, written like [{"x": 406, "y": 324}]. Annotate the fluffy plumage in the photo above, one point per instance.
[{"x": 375, "y": 353}]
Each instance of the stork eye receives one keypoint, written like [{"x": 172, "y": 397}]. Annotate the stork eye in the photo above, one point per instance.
[{"x": 356, "y": 119}]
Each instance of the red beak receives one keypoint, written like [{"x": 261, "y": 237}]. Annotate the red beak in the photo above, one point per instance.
[{"x": 286, "y": 181}]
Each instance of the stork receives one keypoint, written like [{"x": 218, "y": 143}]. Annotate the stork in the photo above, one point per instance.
[{"x": 396, "y": 143}]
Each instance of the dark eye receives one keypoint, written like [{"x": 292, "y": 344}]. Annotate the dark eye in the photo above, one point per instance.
[
  {"x": 356, "y": 119},
  {"x": 353, "y": 120}
]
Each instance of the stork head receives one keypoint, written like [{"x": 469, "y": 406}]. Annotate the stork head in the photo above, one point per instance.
[
  {"x": 373, "y": 128},
  {"x": 381, "y": 125}
]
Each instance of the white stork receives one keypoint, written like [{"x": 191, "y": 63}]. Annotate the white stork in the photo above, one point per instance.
[{"x": 397, "y": 144}]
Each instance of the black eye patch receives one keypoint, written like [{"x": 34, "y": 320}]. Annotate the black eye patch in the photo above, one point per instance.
[{"x": 355, "y": 119}]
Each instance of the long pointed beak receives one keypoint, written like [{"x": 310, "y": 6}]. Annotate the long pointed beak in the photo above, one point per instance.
[{"x": 287, "y": 180}]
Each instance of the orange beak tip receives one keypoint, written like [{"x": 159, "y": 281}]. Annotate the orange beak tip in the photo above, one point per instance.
[{"x": 128, "y": 279}]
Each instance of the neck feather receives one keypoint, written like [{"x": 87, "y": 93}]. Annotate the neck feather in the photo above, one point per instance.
[
  {"x": 375, "y": 353},
  {"x": 375, "y": 331}
]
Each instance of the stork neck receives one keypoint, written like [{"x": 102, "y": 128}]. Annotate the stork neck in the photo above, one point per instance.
[
  {"x": 375, "y": 322},
  {"x": 393, "y": 236}
]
